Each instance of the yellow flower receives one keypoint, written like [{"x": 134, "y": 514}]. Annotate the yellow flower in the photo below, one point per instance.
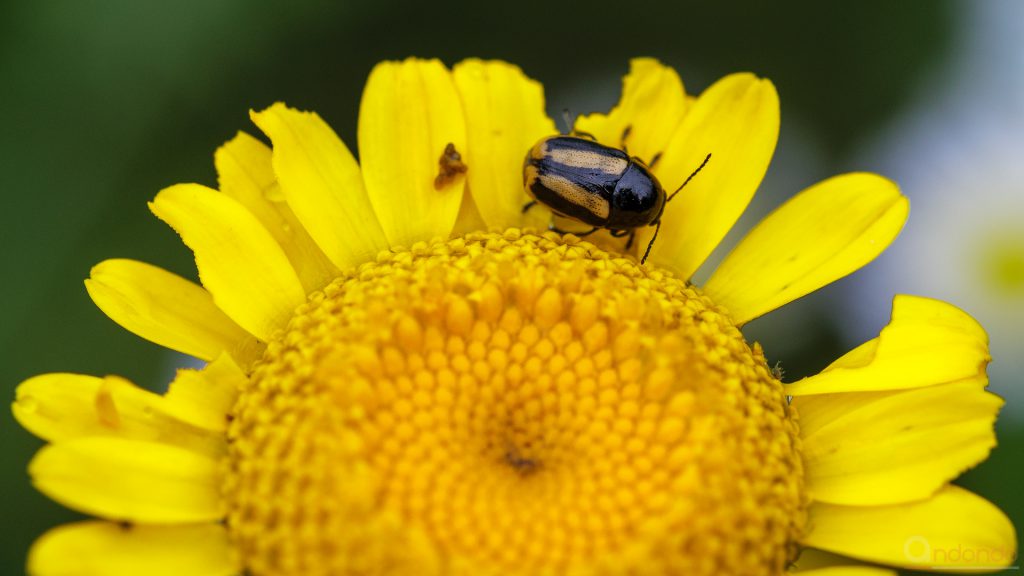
[{"x": 404, "y": 378}]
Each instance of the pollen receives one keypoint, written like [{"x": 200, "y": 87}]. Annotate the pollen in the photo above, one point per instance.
[{"x": 513, "y": 403}]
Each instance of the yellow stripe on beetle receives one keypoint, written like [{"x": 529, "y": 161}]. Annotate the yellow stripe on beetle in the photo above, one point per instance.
[
  {"x": 575, "y": 195},
  {"x": 588, "y": 160}
]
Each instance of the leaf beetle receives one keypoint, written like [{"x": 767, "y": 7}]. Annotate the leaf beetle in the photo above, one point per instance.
[{"x": 604, "y": 187}]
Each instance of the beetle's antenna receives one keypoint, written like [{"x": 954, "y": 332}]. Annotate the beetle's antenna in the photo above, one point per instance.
[
  {"x": 657, "y": 225},
  {"x": 690, "y": 177},
  {"x": 651, "y": 243}
]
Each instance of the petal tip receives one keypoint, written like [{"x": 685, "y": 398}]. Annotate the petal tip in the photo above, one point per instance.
[{"x": 638, "y": 61}]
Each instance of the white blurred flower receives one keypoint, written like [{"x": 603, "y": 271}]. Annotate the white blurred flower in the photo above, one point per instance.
[{"x": 959, "y": 156}]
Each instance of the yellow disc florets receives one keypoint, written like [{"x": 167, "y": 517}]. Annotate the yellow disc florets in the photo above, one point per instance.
[{"x": 513, "y": 404}]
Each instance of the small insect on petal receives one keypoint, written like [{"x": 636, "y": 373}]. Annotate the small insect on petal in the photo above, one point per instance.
[
  {"x": 578, "y": 178},
  {"x": 451, "y": 165}
]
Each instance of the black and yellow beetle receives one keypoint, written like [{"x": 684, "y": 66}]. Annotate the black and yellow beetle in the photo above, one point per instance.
[{"x": 597, "y": 185}]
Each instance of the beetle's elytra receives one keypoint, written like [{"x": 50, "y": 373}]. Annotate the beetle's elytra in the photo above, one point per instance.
[
  {"x": 597, "y": 185},
  {"x": 592, "y": 183}
]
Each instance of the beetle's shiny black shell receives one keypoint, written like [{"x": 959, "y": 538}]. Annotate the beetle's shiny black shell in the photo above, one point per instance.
[{"x": 592, "y": 183}]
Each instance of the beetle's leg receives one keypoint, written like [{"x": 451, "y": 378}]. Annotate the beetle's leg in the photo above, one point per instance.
[
  {"x": 528, "y": 205},
  {"x": 654, "y": 160},
  {"x": 587, "y": 135},
  {"x": 657, "y": 227},
  {"x": 557, "y": 230},
  {"x": 621, "y": 233},
  {"x": 625, "y": 134}
]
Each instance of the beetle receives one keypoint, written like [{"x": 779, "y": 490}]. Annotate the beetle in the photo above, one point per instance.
[{"x": 604, "y": 187}]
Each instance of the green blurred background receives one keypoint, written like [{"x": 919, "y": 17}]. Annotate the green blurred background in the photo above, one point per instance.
[{"x": 105, "y": 103}]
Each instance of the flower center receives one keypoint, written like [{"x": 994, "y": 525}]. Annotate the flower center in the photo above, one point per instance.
[
  {"x": 513, "y": 404},
  {"x": 1002, "y": 259}
]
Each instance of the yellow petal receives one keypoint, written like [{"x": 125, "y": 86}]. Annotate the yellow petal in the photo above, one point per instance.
[
  {"x": 736, "y": 120},
  {"x": 504, "y": 117},
  {"x": 245, "y": 173},
  {"x": 469, "y": 219},
  {"x": 953, "y": 529},
  {"x": 891, "y": 447},
  {"x": 59, "y": 407},
  {"x": 829, "y": 407},
  {"x": 845, "y": 571},
  {"x": 129, "y": 480},
  {"x": 822, "y": 234},
  {"x": 927, "y": 342},
  {"x": 322, "y": 184},
  {"x": 239, "y": 262},
  {"x": 820, "y": 563},
  {"x": 106, "y": 549},
  {"x": 204, "y": 398},
  {"x": 653, "y": 103},
  {"x": 164, "y": 308},
  {"x": 409, "y": 113}
]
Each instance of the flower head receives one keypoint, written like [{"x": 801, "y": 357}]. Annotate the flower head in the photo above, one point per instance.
[{"x": 405, "y": 377}]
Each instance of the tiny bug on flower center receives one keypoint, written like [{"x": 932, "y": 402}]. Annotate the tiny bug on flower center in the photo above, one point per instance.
[{"x": 604, "y": 187}]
